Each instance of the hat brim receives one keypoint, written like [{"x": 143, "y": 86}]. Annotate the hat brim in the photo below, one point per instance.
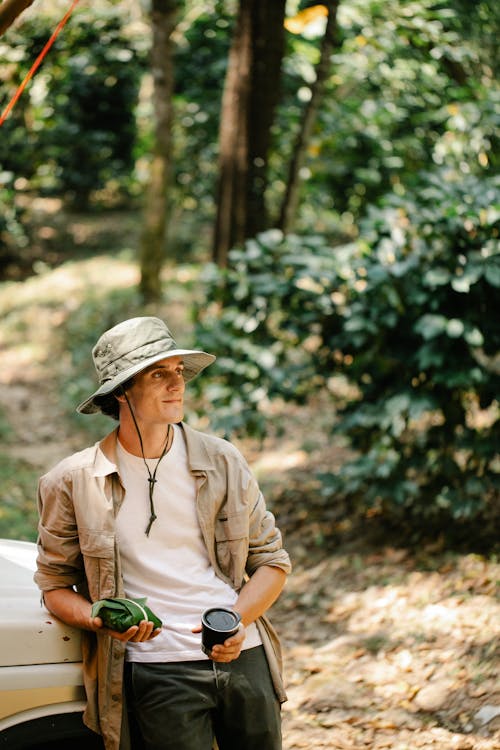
[{"x": 194, "y": 362}]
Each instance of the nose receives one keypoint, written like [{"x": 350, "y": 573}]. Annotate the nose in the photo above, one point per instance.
[{"x": 176, "y": 382}]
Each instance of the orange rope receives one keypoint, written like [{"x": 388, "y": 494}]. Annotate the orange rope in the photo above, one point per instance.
[{"x": 37, "y": 63}]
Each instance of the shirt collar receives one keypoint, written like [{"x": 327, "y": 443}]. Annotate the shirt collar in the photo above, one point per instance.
[
  {"x": 199, "y": 458},
  {"x": 105, "y": 459}
]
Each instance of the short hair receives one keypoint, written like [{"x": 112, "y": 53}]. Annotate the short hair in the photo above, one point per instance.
[{"x": 108, "y": 403}]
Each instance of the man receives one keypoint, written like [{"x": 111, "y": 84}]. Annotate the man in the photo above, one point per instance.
[{"x": 160, "y": 510}]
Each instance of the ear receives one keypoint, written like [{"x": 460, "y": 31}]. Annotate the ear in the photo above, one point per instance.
[{"x": 119, "y": 394}]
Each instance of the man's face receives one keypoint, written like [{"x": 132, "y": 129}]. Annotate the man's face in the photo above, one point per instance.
[{"x": 157, "y": 393}]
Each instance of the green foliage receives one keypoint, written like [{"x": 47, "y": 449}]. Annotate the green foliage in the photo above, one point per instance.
[
  {"x": 18, "y": 142},
  {"x": 200, "y": 69},
  {"x": 18, "y": 512},
  {"x": 12, "y": 233},
  {"x": 263, "y": 310},
  {"x": 408, "y": 314},
  {"x": 81, "y": 106},
  {"x": 5, "y": 428},
  {"x": 420, "y": 332},
  {"x": 411, "y": 87}
]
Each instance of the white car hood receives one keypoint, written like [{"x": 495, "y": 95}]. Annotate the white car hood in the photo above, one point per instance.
[{"x": 29, "y": 634}]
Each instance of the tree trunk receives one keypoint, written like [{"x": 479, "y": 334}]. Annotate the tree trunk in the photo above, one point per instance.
[
  {"x": 250, "y": 94},
  {"x": 10, "y": 10},
  {"x": 152, "y": 249},
  {"x": 233, "y": 140},
  {"x": 268, "y": 43},
  {"x": 292, "y": 192}
]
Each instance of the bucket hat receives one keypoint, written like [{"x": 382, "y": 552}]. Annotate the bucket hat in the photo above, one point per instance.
[{"x": 130, "y": 347}]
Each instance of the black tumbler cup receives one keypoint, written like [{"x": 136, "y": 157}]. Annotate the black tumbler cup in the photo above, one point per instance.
[{"x": 217, "y": 624}]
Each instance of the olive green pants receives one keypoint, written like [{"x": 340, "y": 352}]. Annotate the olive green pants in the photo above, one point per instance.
[{"x": 185, "y": 705}]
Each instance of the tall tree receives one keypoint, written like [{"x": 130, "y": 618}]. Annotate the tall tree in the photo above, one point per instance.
[
  {"x": 250, "y": 95},
  {"x": 292, "y": 191},
  {"x": 164, "y": 15}
]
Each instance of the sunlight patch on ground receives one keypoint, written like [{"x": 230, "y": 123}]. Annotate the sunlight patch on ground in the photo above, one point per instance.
[
  {"x": 60, "y": 285},
  {"x": 34, "y": 309}
]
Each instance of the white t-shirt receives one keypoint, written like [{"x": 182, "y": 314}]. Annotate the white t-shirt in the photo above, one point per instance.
[{"x": 170, "y": 567}]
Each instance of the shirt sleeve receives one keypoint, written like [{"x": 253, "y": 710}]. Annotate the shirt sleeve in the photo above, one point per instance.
[
  {"x": 265, "y": 540},
  {"x": 59, "y": 561}
]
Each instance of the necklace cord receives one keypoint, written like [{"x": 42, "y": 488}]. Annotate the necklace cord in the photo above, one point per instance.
[{"x": 151, "y": 476}]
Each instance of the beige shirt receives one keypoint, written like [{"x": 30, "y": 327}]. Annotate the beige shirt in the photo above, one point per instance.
[{"x": 78, "y": 501}]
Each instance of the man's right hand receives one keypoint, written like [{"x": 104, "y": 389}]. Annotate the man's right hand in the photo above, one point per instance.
[
  {"x": 145, "y": 631},
  {"x": 75, "y": 610}
]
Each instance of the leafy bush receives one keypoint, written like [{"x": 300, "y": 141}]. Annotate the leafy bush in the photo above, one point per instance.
[
  {"x": 411, "y": 85},
  {"x": 264, "y": 312},
  {"x": 12, "y": 234},
  {"x": 92, "y": 132},
  {"x": 409, "y": 314},
  {"x": 420, "y": 333},
  {"x": 73, "y": 131}
]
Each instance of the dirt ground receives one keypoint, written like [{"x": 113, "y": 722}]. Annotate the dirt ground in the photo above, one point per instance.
[
  {"x": 387, "y": 651},
  {"x": 384, "y": 647}
]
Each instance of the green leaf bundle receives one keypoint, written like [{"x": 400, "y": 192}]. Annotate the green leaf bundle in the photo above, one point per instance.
[{"x": 121, "y": 614}]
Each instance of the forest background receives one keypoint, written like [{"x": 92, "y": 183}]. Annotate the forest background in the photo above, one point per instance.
[{"x": 310, "y": 191}]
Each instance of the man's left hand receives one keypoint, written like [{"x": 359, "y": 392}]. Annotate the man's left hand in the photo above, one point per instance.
[{"x": 230, "y": 649}]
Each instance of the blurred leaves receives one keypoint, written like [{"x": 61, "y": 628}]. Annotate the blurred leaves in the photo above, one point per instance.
[
  {"x": 413, "y": 85},
  {"x": 293, "y": 313},
  {"x": 73, "y": 130}
]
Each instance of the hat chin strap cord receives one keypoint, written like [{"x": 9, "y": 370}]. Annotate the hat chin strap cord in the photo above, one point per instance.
[{"x": 151, "y": 476}]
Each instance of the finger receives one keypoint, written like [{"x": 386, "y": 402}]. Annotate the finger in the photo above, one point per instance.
[
  {"x": 129, "y": 634},
  {"x": 235, "y": 642},
  {"x": 225, "y": 657},
  {"x": 144, "y": 631},
  {"x": 226, "y": 652},
  {"x": 237, "y": 639},
  {"x": 147, "y": 631},
  {"x": 125, "y": 636}
]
